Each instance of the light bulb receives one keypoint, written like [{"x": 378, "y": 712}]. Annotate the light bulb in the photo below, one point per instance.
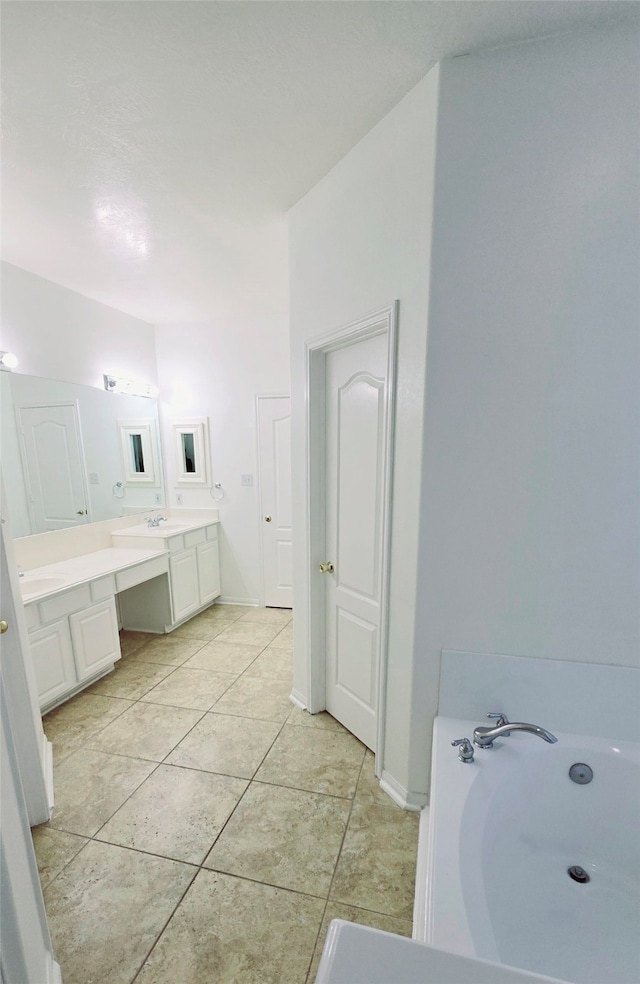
[{"x": 8, "y": 360}]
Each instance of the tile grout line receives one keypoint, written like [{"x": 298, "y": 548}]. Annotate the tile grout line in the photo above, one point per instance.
[{"x": 335, "y": 867}]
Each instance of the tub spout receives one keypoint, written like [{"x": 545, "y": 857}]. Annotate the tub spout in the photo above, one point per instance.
[{"x": 484, "y": 737}]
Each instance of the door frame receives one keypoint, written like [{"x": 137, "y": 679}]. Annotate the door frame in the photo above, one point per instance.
[
  {"x": 260, "y": 398},
  {"x": 383, "y": 321}
]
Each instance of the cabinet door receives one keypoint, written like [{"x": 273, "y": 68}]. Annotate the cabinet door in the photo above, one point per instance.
[
  {"x": 185, "y": 595},
  {"x": 208, "y": 571},
  {"x": 96, "y": 644},
  {"x": 53, "y": 661}
]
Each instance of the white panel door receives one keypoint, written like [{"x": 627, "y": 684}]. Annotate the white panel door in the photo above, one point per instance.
[
  {"x": 355, "y": 475},
  {"x": 54, "y": 466},
  {"x": 274, "y": 437}
]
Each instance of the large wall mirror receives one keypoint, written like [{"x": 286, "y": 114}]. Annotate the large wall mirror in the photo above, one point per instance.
[{"x": 75, "y": 454}]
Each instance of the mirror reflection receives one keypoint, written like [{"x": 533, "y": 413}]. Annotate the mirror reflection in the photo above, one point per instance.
[{"x": 62, "y": 453}]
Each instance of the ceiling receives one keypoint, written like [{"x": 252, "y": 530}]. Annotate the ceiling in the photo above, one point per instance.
[{"x": 150, "y": 148}]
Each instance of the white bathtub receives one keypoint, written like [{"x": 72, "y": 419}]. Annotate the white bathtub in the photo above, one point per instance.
[{"x": 496, "y": 843}]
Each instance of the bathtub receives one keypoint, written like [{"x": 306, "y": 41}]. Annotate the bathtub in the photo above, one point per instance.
[{"x": 499, "y": 837}]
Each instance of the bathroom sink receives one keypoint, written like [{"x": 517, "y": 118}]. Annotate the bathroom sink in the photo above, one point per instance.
[
  {"x": 37, "y": 585},
  {"x": 164, "y": 529}
]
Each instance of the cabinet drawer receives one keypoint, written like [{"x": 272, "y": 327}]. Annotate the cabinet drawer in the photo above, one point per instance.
[
  {"x": 104, "y": 587},
  {"x": 64, "y": 604},
  {"x": 194, "y": 537},
  {"x": 212, "y": 532},
  {"x": 31, "y": 617},
  {"x": 141, "y": 572},
  {"x": 176, "y": 543}
]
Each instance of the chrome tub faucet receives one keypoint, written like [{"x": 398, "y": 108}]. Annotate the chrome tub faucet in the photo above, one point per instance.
[{"x": 484, "y": 737}]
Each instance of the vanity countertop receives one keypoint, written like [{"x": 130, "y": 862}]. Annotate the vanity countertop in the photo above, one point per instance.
[
  {"x": 169, "y": 527},
  {"x": 41, "y": 582}
]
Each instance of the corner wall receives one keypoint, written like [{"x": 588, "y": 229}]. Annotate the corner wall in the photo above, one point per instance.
[
  {"x": 358, "y": 241},
  {"x": 216, "y": 369},
  {"x": 529, "y": 539}
]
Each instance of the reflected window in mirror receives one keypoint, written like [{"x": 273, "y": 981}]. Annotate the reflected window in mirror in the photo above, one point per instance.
[{"x": 139, "y": 451}]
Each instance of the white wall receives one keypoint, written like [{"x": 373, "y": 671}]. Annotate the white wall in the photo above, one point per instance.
[
  {"x": 60, "y": 334},
  {"x": 359, "y": 240},
  {"x": 216, "y": 370},
  {"x": 529, "y": 539}
]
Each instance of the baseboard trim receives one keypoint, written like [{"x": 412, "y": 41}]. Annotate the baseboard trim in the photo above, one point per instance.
[
  {"x": 413, "y": 802},
  {"x": 54, "y": 974},
  {"x": 297, "y": 699},
  {"x": 47, "y": 765},
  {"x": 419, "y": 931}
]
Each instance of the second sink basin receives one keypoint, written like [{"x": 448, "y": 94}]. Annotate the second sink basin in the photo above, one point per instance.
[{"x": 46, "y": 582}]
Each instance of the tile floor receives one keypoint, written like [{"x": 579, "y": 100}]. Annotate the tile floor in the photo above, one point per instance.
[{"x": 205, "y": 830}]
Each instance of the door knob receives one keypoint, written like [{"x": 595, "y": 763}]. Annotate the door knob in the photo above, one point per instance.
[
  {"x": 80, "y": 512},
  {"x": 267, "y": 519},
  {"x": 4, "y": 626},
  {"x": 326, "y": 568}
]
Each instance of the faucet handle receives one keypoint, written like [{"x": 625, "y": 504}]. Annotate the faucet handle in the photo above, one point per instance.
[
  {"x": 501, "y": 719},
  {"x": 465, "y": 752}
]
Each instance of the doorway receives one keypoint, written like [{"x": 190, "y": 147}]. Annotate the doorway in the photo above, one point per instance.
[
  {"x": 274, "y": 463},
  {"x": 350, "y": 429}
]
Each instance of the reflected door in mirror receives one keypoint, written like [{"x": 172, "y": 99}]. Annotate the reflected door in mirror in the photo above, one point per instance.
[{"x": 54, "y": 467}]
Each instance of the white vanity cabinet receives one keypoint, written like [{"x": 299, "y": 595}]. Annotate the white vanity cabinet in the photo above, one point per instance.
[
  {"x": 194, "y": 571},
  {"x": 194, "y": 578},
  {"x": 71, "y": 650}
]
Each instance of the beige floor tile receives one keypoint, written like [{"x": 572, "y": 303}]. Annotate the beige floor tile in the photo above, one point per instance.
[
  {"x": 377, "y": 920},
  {"x": 250, "y": 633},
  {"x": 284, "y": 837},
  {"x": 200, "y": 629},
  {"x": 271, "y": 616},
  {"x": 220, "y": 613},
  {"x": 273, "y": 663},
  {"x": 371, "y": 878},
  {"x": 106, "y": 909},
  {"x": 131, "y": 640},
  {"x": 321, "y": 720},
  {"x": 69, "y": 725},
  {"x": 257, "y": 697},
  {"x": 369, "y": 790},
  {"x": 228, "y": 745},
  {"x": 224, "y": 657},
  {"x": 130, "y": 679},
  {"x": 190, "y": 687},
  {"x": 230, "y": 931},
  {"x": 90, "y": 786},
  {"x": 146, "y": 731},
  {"x": 230, "y": 611},
  {"x": 176, "y": 813},
  {"x": 167, "y": 650},
  {"x": 284, "y": 639},
  {"x": 54, "y": 849},
  {"x": 314, "y": 759}
]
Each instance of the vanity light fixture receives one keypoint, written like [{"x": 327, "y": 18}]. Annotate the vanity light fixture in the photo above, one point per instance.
[
  {"x": 132, "y": 387},
  {"x": 8, "y": 361}
]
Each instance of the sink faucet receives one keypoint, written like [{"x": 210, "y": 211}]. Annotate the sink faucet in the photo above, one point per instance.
[
  {"x": 155, "y": 521},
  {"x": 484, "y": 737}
]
